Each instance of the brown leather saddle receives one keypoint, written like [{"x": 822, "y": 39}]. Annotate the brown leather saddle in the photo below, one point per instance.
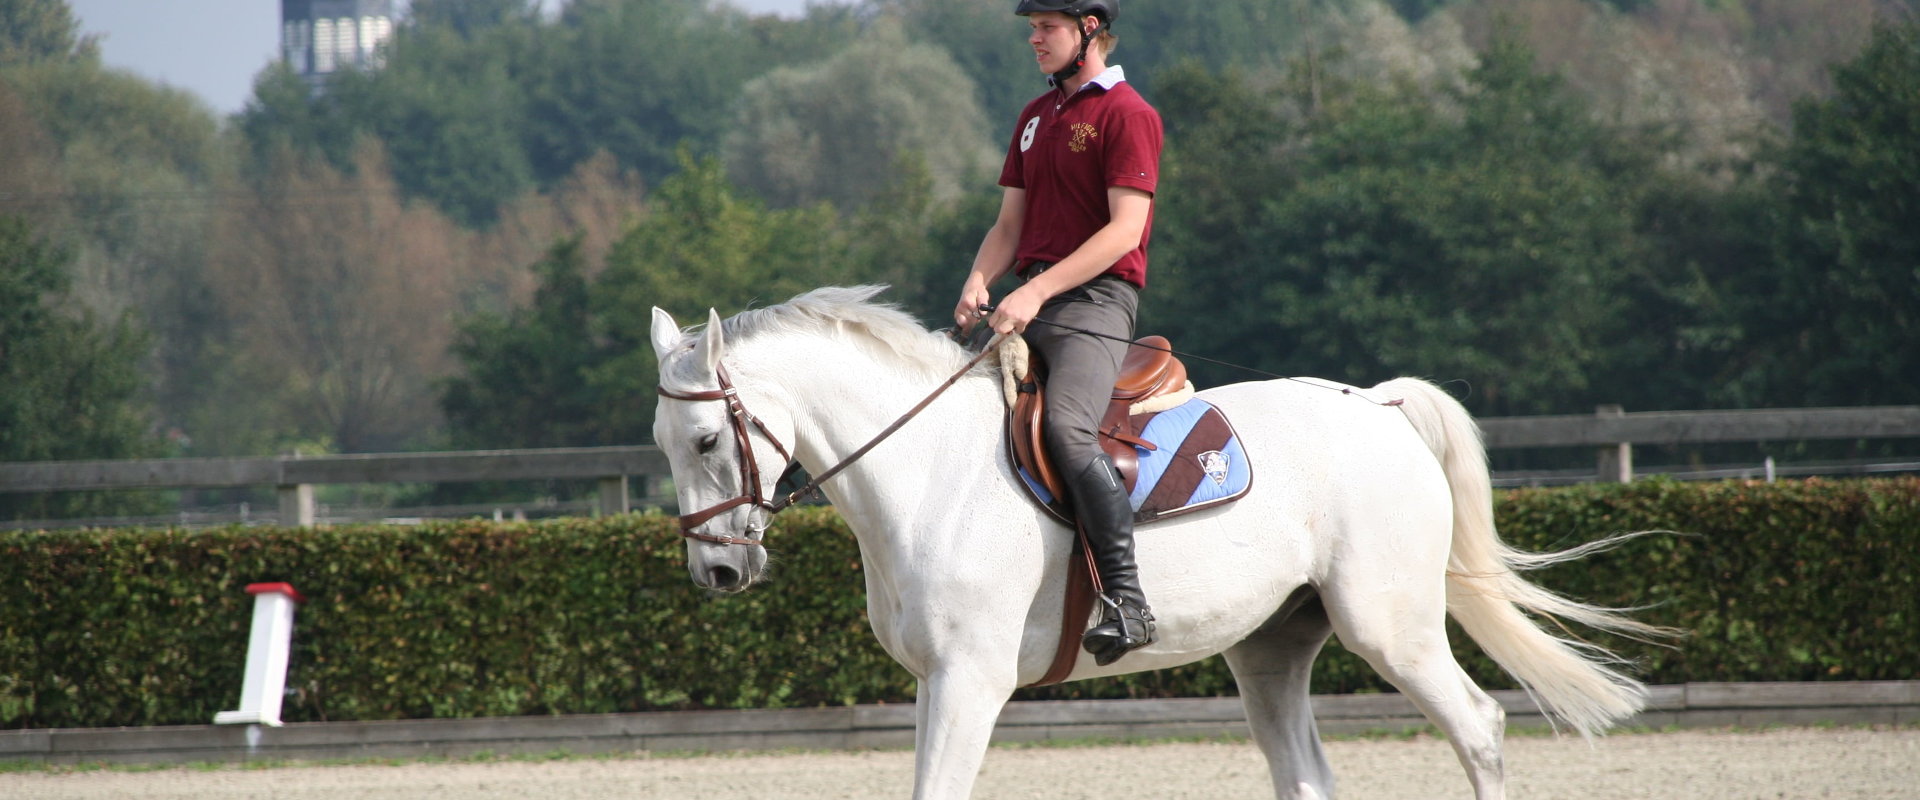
[{"x": 1150, "y": 370}]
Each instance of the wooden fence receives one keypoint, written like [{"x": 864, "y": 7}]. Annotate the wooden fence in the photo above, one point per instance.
[
  {"x": 616, "y": 469},
  {"x": 1610, "y": 430}
]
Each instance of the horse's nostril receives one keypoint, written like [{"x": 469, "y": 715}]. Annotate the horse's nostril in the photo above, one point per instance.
[{"x": 724, "y": 577}]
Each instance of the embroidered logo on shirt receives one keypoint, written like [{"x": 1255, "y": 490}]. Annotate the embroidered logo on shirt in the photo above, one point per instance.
[
  {"x": 1081, "y": 133},
  {"x": 1026, "y": 134}
]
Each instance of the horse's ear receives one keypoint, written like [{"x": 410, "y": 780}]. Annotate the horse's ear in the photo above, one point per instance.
[
  {"x": 711, "y": 345},
  {"x": 666, "y": 334}
]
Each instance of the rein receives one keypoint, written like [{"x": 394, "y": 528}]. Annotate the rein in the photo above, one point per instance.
[{"x": 750, "y": 470}]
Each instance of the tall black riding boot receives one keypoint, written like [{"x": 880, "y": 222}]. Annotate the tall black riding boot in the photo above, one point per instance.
[{"x": 1100, "y": 501}]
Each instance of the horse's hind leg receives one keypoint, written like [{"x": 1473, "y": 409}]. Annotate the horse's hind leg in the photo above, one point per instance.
[
  {"x": 1272, "y": 668},
  {"x": 1397, "y": 622}
]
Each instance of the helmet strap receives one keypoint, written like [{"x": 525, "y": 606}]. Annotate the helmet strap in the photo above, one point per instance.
[{"x": 1079, "y": 59}]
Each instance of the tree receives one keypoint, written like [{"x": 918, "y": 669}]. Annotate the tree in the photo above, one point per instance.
[
  {"x": 70, "y": 388},
  {"x": 702, "y": 245},
  {"x": 1838, "y": 309},
  {"x": 344, "y": 297},
  {"x": 42, "y": 30},
  {"x": 1486, "y": 238},
  {"x": 33, "y": 162},
  {"x": 450, "y": 116},
  {"x": 524, "y": 377},
  {"x": 576, "y": 366},
  {"x": 636, "y": 78},
  {"x": 284, "y": 114},
  {"x": 470, "y": 18},
  {"x": 985, "y": 42},
  {"x": 839, "y": 130},
  {"x": 121, "y": 172}
]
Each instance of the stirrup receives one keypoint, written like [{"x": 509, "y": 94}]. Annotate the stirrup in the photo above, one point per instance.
[{"x": 1125, "y": 626}]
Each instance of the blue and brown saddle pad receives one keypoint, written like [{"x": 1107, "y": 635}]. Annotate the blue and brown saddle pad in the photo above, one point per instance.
[{"x": 1195, "y": 462}]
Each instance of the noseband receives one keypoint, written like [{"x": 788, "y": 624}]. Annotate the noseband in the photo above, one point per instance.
[
  {"x": 750, "y": 470},
  {"x": 739, "y": 416}
]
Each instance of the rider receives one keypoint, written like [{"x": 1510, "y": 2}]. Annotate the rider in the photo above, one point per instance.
[{"x": 1075, "y": 216}]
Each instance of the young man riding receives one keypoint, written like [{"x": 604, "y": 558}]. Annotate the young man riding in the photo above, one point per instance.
[{"x": 1075, "y": 217}]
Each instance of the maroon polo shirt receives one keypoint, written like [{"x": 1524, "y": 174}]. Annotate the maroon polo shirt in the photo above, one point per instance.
[{"x": 1067, "y": 154}]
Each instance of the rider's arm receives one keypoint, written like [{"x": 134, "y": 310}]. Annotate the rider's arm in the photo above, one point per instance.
[
  {"x": 1127, "y": 220},
  {"x": 995, "y": 258}
]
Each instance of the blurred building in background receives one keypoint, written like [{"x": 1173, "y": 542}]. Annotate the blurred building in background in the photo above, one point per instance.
[{"x": 321, "y": 37}]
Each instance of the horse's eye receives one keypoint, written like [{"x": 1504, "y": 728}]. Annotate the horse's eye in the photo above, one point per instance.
[{"x": 708, "y": 441}]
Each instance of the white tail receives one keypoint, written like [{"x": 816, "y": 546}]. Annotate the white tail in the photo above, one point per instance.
[{"x": 1573, "y": 681}]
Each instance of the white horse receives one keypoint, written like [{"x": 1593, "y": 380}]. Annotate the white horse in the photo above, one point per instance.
[{"x": 1368, "y": 520}]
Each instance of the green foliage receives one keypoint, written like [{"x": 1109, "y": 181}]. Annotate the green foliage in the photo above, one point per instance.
[
  {"x": 840, "y": 130},
  {"x": 445, "y": 620},
  {"x": 479, "y": 103},
  {"x": 1793, "y": 581},
  {"x": 1789, "y": 581},
  {"x": 702, "y": 245},
  {"x": 987, "y": 43},
  {"x": 452, "y": 118},
  {"x": 1840, "y": 305},
  {"x": 1416, "y": 10},
  {"x": 41, "y": 30},
  {"x": 525, "y": 383},
  {"x": 637, "y": 78},
  {"x": 69, "y": 387},
  {"x": 1339, "y": 196},
  {"x": 124, "y": 183},
  {"x": 1485, "y": 238},
  {"x": 470, "y": 18}
]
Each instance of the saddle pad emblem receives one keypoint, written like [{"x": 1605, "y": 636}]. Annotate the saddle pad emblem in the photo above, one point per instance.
[{"x": 1215, "y": 464}]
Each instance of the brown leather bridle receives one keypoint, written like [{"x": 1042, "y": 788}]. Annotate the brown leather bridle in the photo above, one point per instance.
[{"x": 740, "y": 418}]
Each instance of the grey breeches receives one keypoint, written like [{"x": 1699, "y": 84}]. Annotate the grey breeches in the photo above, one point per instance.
[{"x": 1082, "y": 369}]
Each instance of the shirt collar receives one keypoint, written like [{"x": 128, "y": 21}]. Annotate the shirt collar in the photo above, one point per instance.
[
  {"x": 1109, "y": 77},
  {"x": 1106, "y": 80}
]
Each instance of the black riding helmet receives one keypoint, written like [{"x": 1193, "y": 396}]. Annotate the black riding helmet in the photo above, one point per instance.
[
  {"x": 1106, "y": 10},
  {"x": 1103, "y": 10}
]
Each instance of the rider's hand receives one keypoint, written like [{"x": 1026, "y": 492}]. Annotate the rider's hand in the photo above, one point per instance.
[
  {"x": 1015, "y": 311},
  {"x": 967, "y": 312}
]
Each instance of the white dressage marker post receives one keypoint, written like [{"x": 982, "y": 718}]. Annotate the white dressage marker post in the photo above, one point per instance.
[{"x": 267, "y": 652}]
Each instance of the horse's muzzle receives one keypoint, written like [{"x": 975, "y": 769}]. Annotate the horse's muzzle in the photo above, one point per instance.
[{"x": 725, "y": 568}]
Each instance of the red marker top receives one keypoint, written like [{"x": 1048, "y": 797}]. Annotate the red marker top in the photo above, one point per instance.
[{"x": 279, "y": 588}]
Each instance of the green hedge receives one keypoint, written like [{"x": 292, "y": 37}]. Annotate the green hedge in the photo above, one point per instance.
[{"x": 1791, "y": 581}]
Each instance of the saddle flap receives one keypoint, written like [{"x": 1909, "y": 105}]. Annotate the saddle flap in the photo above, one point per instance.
[
  {"x": 1024, "y": 433},
  {"x": 1150, "y": 369},
  {"x": 1151, "y": 379}
]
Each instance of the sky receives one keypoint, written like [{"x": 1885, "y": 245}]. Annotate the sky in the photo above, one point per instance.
[{"x": 214, "y": 48}]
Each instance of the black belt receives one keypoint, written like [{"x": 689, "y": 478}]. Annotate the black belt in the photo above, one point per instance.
[{"x": 1029, "y": 270}]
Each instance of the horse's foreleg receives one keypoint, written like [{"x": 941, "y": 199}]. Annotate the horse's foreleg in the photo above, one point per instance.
[
  {"x": 1273, "y": 668},
  {"x": 955, "y": 712}
]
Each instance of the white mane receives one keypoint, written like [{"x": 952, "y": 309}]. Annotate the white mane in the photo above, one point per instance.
[{"x": 849, "y": 312}]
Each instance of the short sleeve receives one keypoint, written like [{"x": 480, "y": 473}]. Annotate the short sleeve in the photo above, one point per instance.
[
  {"x": 1133, "y": 157},
  {"x": 1013, "y": 171}
]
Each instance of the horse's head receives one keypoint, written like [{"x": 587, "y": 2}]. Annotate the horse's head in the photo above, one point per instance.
[{"x": 725, "y": 459}]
